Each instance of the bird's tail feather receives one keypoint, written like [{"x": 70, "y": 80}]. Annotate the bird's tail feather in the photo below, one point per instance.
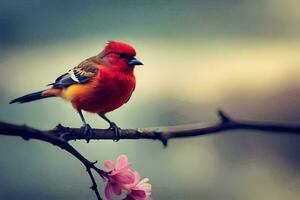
[{"x": 30, "y": 97}]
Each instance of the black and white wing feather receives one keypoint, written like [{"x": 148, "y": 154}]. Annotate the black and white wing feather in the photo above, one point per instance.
[{"x": 82, "y": 73}]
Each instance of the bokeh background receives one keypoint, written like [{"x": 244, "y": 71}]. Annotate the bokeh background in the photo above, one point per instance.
[{"x": 239, "y": 55}]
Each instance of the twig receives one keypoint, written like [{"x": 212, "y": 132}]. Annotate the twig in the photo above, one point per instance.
[
  {"x": 30, "y": 133},
  {"x": 60, "y": 136}
]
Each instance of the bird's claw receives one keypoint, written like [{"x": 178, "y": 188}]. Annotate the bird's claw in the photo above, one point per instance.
[
  {"x": 87, "y": 132},
  {"x": 116, "y": 130}
]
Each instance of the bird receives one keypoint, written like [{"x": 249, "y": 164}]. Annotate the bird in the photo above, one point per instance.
[{"x": 99, "y": 84}]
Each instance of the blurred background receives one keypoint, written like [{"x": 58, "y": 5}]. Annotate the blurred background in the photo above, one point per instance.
[{"x": 239, "y": 55}]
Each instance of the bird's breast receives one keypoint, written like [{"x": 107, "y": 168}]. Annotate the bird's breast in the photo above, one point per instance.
[{"x": 102, "y": 95}]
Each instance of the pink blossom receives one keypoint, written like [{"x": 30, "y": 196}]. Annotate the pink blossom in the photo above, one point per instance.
[
  {"x": 119, "y": 177},
  {"x": 139, "y": 190}
]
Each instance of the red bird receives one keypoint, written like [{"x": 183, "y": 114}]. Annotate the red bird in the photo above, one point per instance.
[{"x": 99, "y": 84}]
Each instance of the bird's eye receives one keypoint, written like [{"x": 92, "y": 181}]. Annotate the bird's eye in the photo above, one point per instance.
[{"x": 122, "y": 55}]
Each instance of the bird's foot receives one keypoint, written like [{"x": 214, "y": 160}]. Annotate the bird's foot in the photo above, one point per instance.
[
  {"x": 87, "y": 131},
  {"x": 116, "y": 130}
]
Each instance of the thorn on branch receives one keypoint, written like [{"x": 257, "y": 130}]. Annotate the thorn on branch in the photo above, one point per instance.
[
  {"x": 95, "y": 162},
  {"x": 224, "y": 117},
  {"x": 93, "y": 187},
  {"x": 158, "y": 135},
  {"x": 60, "y": 127}
]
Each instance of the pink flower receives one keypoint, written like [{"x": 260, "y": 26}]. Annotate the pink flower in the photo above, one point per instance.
[
  {"x": 139, "y": 190},
  {"x": 119, "y": 177}
]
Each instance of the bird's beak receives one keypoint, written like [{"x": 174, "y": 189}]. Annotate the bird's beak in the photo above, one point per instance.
[{"x": 134, "y": 61}]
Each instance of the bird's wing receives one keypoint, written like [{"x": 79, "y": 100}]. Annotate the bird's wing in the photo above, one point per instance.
[{"x": 82, "y": 73}]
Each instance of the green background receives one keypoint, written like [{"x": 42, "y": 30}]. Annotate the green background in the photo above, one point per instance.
[{"x": 238, "y": 55}]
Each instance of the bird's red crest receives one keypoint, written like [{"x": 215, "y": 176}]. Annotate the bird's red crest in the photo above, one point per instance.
[{"x": 120, "y": 47}]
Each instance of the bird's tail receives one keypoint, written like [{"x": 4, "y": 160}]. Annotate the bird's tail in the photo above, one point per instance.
[{"x": 30, "y": 97}]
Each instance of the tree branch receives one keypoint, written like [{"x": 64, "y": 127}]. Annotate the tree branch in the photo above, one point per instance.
[
  {"x": 30, "y": 133},
  {"x": 63, "y": 134},
  {"x": 60, "y": 136}
]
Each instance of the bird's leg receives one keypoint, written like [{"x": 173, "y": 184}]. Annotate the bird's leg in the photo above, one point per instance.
[
  {"x": 87, "y": 128},
  {"x": 112, "y": 126}
]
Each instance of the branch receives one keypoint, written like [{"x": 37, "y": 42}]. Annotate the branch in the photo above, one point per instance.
[
  {"x": 163, "y": 134},
  {"x": 60, "y": 136},
  {"x": 30, "y": 133}
]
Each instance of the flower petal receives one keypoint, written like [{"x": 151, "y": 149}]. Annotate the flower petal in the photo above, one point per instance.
[
  {"x": 135, "y": 182},
  {"x": 138, "y": 193},
  {"x": 109, "y": 164},
  {"x": 137, "y": 177},
  {"x": 117, "y": 190},
  {"x": 146, "y": 187},
  {"x": 144, "y": 180},
  {"x": 124, "y": 177},
  {"x": 108, "y": 191},
  {"x": 122, "y": 163}
]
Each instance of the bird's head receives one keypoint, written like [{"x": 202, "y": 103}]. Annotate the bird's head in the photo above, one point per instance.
[{"x": 119, "y": 55}]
